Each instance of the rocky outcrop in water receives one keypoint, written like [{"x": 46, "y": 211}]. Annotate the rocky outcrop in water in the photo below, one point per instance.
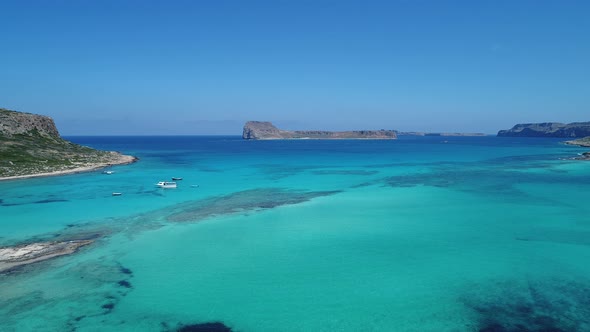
[
  {"x": 258, "y": 130},
  {"x": 13, "y": 257},
  {"x": 205, "y": 327},
  {"x": 241, "y": 202},
  {"x": 583, "y": 142},
  {"x": 548, "y": 129}
]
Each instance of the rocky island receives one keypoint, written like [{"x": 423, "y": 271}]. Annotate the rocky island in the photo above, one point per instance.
[
  {"x": 548, "y": 129},
  {"x": 419, "y": 133},
  {"x": 258, "y": 130},
  {"x": 30, "y": 146}
]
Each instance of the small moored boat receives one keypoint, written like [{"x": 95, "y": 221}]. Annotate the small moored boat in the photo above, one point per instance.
[
  {"x": 176, "y": 179},
  {"x": 117, "y": 194},
  {"x": 108, "y": 172},
  {"x": 166, "y": 184}
]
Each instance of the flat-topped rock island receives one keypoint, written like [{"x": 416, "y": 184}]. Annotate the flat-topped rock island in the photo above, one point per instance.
[{"x": 262, "y": 130}]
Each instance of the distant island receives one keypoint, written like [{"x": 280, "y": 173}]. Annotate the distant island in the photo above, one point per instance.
[
  {"x": 259, "y": 130},
  {"x": 548, "y": 129},
  {"x": 30, "y": 146},
  {"x": 419, "y": 133}
]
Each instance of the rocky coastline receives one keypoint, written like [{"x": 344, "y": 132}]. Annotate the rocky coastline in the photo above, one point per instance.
[
  {"x": 30, "y": 146},
  {"x": 583, "y": 142},
  {"x": 21, "y": 255}
]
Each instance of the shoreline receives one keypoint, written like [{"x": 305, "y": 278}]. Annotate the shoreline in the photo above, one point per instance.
[
  {"x": 121, "y": 160},
  {"x": 583, "y": 144}
]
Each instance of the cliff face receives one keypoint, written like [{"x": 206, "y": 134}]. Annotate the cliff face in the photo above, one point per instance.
[
  {"x": 266, "y": 130},
  {"x": 548, "y": 129},
  {"x": 261, "y": 130},
  {"x": 17, "y": 123}
]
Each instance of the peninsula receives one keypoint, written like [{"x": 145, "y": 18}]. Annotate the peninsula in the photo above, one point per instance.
[
  {"x": 258, "y": 130},
  {"x": 548, "y": 129},
  {"x": 30, "y": 146},
  {"x": 583, "y": 142}
]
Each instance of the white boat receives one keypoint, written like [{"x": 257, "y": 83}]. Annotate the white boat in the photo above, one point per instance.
[
  {"x": 117, "y": 194},
  {"x": 108, "y": 172},
  {"x": 166, "y": 184}
]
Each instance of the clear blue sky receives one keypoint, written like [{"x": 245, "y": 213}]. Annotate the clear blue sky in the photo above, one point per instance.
[{"x": 205, "y": 67}]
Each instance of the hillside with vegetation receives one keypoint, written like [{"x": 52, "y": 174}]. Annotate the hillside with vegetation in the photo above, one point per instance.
[{"x": 30, "y": 145}]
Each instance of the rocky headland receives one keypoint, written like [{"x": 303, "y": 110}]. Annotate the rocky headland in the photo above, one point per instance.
[
  {"x": 580, "y": 130},
  {"x": 259, "y": 130},
  {"x": 584, "y": 142},
  {"x": 30, "y": 146},
  {"x": 548, "y": 129}
]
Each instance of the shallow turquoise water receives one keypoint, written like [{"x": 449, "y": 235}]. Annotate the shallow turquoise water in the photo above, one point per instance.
[{"x": 418, "y": 234}]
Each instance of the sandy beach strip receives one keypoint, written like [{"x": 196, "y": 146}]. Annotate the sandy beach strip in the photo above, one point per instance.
[{"x": 120, "y": 160}]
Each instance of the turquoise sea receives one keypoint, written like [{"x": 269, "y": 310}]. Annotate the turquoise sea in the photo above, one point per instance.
[{"x": 416, "y": 234}]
